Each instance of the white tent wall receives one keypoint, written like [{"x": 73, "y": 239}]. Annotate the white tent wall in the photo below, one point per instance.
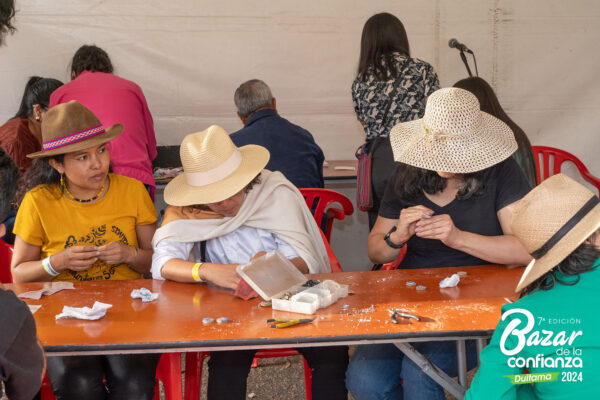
[{"x": 190, "y": 56}]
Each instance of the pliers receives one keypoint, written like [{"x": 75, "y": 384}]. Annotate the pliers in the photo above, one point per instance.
[
  {"x": 286, "y": 322},
  {"x": 398, "y": 313}
]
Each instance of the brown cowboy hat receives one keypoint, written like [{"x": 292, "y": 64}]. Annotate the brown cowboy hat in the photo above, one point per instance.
[
  {"x": 69, "y": 127},
  {"x": 551, "y": 221}
]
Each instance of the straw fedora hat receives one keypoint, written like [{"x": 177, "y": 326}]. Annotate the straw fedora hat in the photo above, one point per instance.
[
  {"x": 69, "y": 127},
  {"x": 214, "y": 169},
  {"x": 453, "y": 136},
  {"x": 551, "y": 221}
]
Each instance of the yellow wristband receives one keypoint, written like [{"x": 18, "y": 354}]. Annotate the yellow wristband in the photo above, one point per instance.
[{"x": 195, "y": 272}]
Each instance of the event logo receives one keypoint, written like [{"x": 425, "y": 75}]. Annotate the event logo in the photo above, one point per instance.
[{"x": 520, "y": 333}]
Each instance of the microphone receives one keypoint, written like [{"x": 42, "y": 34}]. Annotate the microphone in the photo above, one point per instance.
[{"x": 455, "y": 44}]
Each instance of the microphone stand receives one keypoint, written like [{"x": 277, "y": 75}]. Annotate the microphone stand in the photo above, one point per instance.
[{"x": 464, "y": 60}]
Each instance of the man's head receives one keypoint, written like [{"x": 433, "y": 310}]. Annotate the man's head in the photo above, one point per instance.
[
  {"x": 9, "y": 177},
  {"x": 7, "y": 12},
  {"x": 252, "y": 96},
  {"x": 90, "y": 58}
]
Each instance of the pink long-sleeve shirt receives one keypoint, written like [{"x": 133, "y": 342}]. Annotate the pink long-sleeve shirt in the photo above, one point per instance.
[{"x": 116, "y": 100}]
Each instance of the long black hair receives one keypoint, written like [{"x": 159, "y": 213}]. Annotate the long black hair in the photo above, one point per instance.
[
  {"x": 579, "y": 261},
  {"x": 90, "y": 58},
  {"x": 412, "y": 181},
  {"x": 382, "y": 35},
  {"x": 490, "y": 104},
  {"x": 40, "y": 173},
  {"x": 7, "y": 12},
  {"x": 37, "y": 91},
  {"x": 9, "y": 176}
]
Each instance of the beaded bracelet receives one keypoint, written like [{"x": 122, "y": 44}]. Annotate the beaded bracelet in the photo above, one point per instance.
[
  {"x": 195, "y": 272},
  {"x": 48, "y": 267}
]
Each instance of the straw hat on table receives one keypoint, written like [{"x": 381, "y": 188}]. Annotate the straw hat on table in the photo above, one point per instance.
[
  {"x": 551, "y": 221},
  {"x": 453, "y": 136},
  {"x": 214, "y": 169}
]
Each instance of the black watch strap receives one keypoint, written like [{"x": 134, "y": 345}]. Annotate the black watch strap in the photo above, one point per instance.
[{"x": 389, "y": 241}]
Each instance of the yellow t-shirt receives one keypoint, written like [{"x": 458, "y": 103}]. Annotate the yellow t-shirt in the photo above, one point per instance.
[{"x": 48, "y": 219}]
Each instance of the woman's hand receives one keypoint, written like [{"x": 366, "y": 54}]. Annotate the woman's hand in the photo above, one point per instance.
[
  {"x": 223, "y": 275},
  {"x": 76, "y": 258},
  {"x": 407, "y": 222},
  {"x": 117, "y": 253},
  {"x": 439, "y": 227}
]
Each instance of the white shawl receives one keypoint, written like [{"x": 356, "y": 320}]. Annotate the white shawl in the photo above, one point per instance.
[{"x": 274, "y": 205}]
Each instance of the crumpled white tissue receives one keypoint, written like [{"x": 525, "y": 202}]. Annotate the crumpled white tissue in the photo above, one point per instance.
[
  {"x": 49, "y": 288},
  {"x": 144, "y": 294},
  {"x": 97, "y": 311},
  {"x": 450, "y": 281}
]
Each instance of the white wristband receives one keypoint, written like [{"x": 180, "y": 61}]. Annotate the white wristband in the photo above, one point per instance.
[{"x": 48, "y": 267}]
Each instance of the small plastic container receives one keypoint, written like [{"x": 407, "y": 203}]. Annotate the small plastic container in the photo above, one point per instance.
[{"x": 276, "y": 279}]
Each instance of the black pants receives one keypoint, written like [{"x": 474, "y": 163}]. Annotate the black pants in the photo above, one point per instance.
[
  {"x": 128, "y": 376},
  {"x": 228, "y": 371}
]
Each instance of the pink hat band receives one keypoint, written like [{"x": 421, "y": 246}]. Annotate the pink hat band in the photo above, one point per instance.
[{"x": 75, "y": 137}]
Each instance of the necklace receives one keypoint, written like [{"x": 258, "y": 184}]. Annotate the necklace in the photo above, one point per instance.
[{"x": 64, "y": 185}]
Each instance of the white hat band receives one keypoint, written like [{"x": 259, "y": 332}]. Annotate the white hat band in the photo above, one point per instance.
[{"x": 216, "y": 174}]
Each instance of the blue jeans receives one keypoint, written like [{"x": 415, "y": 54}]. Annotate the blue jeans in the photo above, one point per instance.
[{"x": 381, "y": 371}]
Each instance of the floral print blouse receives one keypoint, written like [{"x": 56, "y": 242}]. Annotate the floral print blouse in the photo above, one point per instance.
[{"x": 370, "y": 96}]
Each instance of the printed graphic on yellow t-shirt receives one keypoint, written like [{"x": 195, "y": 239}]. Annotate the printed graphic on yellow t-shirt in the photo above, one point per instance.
[{"x": 49, "y": 220}]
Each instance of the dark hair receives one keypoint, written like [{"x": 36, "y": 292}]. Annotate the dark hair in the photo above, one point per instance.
[
  {"x": 488, "y": 101},
  {"x": 40, "y": 173},
  {"x": 382, "y": 35},
  {"x": 7, "y": 12},
  {"x": 9, "y": 177},
  {"x": 90, "y": 58},
  {"x": 412, "y": 181},
  {"x": 579, "y": 261},
  {"x": 37, "y": 91}
]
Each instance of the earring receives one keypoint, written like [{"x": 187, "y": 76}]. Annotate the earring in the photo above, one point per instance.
[
  {"x": 62, "y": 180},
  {"x": 37, "y": 117}
]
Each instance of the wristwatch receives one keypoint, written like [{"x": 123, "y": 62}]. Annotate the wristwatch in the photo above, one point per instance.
[{"x": 389, "y": 241}]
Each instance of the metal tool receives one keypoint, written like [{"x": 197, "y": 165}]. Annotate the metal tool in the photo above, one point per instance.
[
  {"x": 286, "y": 322},
  {"x": 398, "y": 313}
]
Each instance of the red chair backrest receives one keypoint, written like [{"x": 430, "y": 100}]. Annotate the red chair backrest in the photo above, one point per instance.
[
  {"x": 5, "y": 259},
  {"x": 333, "y": 261},
  {"x": 548, "y": 162},
  {"x": 324, "y": 198}
]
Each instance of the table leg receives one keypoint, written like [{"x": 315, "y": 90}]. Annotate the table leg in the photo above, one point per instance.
[
  {"x": 431, "y": 370},
  {"x": 461, "y": 359},
  {"x": 480, "y": 343}
]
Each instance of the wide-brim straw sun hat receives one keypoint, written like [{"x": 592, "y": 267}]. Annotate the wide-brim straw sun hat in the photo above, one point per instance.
[
  {"x": 453, "y": 136},
  {"x": 551, "y": 221},
  {"x": 214, "y": 169},
  {"x": 70, "y": 127}
]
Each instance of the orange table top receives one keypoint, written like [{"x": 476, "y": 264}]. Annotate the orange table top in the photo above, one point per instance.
[{"x": 174, "y": 321}]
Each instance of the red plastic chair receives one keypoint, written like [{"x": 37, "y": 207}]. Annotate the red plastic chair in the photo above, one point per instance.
[
  {"x": 396, "y": 263},
  {"x": 168, "y": 372},
  {"x": 6, "y": 252},
  {"x": 552, "y": 160},
  {"x": 324, "y": 198}
]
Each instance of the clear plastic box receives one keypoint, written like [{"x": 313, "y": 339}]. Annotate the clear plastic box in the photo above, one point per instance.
[{"x": 276, "y": 279}]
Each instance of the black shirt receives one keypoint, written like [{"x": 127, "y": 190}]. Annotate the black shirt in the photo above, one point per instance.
[
  {"x": 477, "y": 214},
  {"x": 21, "y": 359}
]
